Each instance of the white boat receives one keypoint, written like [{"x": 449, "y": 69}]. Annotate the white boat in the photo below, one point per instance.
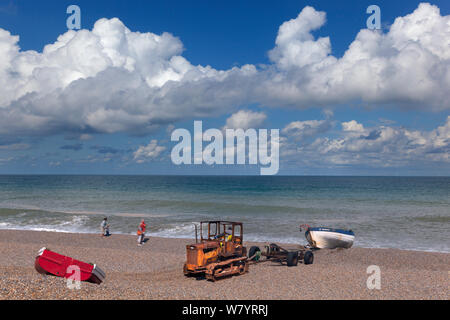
[{"x": 329, "y": 238}]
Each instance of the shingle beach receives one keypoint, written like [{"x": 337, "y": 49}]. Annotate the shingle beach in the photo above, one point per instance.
[{"x": 154, "y": 271}]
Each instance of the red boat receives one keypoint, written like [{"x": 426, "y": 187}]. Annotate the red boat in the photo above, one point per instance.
[{"x": 49, "y": 262}]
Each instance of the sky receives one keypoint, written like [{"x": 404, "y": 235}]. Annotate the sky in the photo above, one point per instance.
[{"x": 105, "y": 99}]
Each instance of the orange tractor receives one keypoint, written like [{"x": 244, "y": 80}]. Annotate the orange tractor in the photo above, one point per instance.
[{"x": 219, "y": 252}]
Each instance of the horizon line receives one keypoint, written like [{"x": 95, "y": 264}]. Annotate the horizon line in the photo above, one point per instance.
[{"x": 219, "y": 175}]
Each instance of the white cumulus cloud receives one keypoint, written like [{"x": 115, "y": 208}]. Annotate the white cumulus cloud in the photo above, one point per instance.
[
  {"x": 245, "y": 119},
  {"x": 408, "y": 66},
  {"x": 111, "y": 79},
  {"x": 352, "y": 126},
  {"x": 148, "y": 152},
  {"x": 378, "y": 146},
  {"x": 300, "y": 130}
]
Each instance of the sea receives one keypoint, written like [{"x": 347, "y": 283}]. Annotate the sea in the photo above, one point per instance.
[{"x": 410, "y": 213}]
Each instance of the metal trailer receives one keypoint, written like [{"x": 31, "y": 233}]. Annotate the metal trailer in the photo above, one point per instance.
[{"x": 274, "y": 252}]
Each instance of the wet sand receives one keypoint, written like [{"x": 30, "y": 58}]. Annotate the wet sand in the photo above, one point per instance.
[{"x": 154, "y": 271}]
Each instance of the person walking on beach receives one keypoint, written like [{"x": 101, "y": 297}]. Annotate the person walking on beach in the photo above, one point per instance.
[
  {"x": 141, "y": 232},
  {"x": 104, "y": 227}
]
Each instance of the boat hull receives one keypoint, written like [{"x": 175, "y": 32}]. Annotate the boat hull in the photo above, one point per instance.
[
  {"x": 49, "y": 262},
  {"x": 327, "y": 238}
]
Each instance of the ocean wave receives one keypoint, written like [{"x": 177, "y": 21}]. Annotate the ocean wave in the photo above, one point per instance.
[{"x": 187, "y": 231}]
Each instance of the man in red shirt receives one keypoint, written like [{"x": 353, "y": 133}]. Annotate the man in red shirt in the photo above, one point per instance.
[{"x": 141, "y": 232}]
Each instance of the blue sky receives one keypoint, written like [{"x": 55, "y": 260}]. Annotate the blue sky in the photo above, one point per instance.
[{"x": 324, "y": 133}]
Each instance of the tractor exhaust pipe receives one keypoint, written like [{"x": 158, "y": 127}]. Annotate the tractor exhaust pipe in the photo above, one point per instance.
[{"x": 196, "y": 236}]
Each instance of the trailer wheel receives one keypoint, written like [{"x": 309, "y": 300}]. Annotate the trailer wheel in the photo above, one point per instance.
[
  {"x": 308, "y": 258},
  {"x": 292, "y": 258},
  {"x": 253, "y": 251}
]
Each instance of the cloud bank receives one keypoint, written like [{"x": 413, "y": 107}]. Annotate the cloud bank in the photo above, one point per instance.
[
  {"x": 111, "y": 79},
  {"x": 378, "y": 146}
]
